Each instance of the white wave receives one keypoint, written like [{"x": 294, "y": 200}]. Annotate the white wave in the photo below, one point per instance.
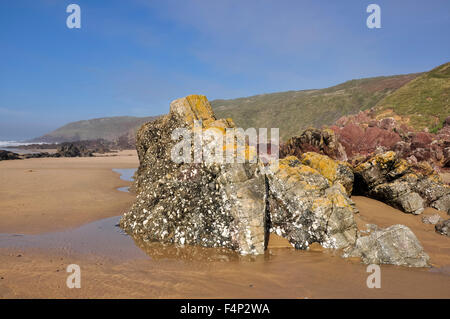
[{"x": 16, "y": 143}]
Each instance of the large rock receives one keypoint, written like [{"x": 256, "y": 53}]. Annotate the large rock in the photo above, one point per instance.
[
  {"x": 396, "y": 245},
  {"x": 206, "y": 204},
  {"x": 305, "y": 207},
  {"x": 233, "y": 205},
  {"x": 236, "y": 204},
  {"x": 409, "y": 188}
]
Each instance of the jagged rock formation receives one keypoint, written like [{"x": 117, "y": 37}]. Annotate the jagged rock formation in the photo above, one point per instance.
[
  {"x": 228, "y": 205},
  {"x": 409, "y": 188},
  {"x": 305, "y": 207},
  {"x": 396, "y": 245},
  {"x": 206, "y": 204},
  {"x": 235, "y": 205},
  {"x": 363, "y": 134}
]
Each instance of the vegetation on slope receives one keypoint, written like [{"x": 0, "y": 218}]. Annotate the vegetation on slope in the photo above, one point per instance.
[
  {"x": 109, "y": 128},
  {"x": 423, "y": 102},
  {"x": 294, "y": 111}
]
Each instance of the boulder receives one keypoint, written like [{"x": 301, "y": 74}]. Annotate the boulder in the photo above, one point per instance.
[
  {"x": 443, "y": 227},
  {"x": 6, "y": 155},
  {"x": 396, "y": 245},
  {"x": 431, "y": 219},
  {"x": 205, "y": 204},
  {"x": 305, "y": 207},
  {"x": 407, "y": 187}
]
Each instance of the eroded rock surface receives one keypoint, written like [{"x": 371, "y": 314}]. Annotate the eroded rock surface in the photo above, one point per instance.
[
  {"x": 211, "y": 205},
  {"x": 305, "y": 207},
  {"x": 365, "y": 133},
  {"x": 407, "y": 187},
  {"x": 395, "y": 245}
]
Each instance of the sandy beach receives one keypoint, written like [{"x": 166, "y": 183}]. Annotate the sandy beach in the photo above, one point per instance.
[
  {"x": 47, "y": 194},
  {"x": 57, "y": 196}
]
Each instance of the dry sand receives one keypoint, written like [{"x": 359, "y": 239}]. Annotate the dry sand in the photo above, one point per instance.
[{"x": 62, "y": 193}]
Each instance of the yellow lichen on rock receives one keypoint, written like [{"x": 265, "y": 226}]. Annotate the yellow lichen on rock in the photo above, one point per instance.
[
  {"x": 293, "y": 170},
  {"x": 336, "y": 172},
  {"x": 322, "y": 163},
  {"x": 194, "y": 108},
  {"x": 382, "y": 160}
]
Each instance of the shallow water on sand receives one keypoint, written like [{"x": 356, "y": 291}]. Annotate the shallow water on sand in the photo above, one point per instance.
[
  {"x": 103, "y": 237},
  {"x": 127, "y": 175}
]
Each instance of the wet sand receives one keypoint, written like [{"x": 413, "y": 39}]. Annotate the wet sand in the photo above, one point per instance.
[
  {"x": 41, "y": 195},
  {"x": 113, "y": 266},
  {"x": 281, "y": 273}
]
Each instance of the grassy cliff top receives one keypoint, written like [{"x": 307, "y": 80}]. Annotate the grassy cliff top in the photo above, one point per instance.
[{"x": 423, "y": 102}]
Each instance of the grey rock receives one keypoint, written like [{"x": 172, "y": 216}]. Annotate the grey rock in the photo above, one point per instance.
[
  {"x": 443, "y": 227},
  {"x": 408, "y": 187},
  {"x": 396, "y": 245},
  {"x": 431, "y": 219},
  {"x": 306, "y": 208},
  {"x": 209, "y": 205}
]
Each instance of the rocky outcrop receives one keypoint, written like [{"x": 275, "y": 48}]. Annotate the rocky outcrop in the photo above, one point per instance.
[
  {"x": 236, "y": 205},
  {"x": 6, "y": 155},
  {"x": 395, "y": 245},
  {"x": 205, "y": 204},
  {"x": 409, "y": 188},
  {"x": 443, "y": 227},
  {"x": 363, "y": 134},
  {"x": 305, "y": 207},
  {"x": 72, "y": 150},
  {"x": 314, "y": 140}
]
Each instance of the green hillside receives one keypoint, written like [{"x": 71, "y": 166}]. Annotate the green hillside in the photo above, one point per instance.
[
  {"x": 423, "y": 102},
  {"x": 293, "y": 111},
  {"x": 109, "y": 128}
]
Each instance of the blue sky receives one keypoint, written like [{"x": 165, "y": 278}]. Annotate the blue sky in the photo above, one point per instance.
[{"x": 133, "y": 57}]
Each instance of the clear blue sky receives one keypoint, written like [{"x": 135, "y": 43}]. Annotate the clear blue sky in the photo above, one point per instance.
[{"x": 133, "y": 57}]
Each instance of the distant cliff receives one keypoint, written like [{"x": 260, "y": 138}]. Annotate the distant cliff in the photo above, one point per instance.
[{"x": 108, "y": 128}]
